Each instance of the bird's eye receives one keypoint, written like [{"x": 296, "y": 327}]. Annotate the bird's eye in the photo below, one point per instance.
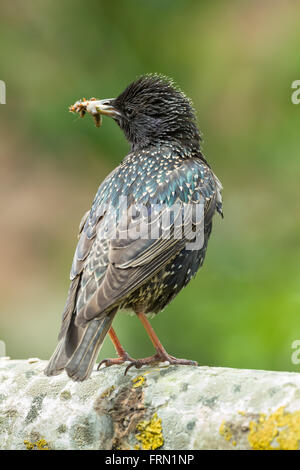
[{"x": 129, "y": 112}]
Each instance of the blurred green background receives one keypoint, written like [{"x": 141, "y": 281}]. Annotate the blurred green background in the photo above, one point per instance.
[{"x": 236, "y": 60}]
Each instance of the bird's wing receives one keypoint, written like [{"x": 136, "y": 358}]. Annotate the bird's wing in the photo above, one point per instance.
[
  {"x": 70, "y": 302},
  {"x": 113, "y": 267}
]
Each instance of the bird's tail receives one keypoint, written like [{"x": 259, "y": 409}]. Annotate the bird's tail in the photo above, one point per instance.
[{"x": 77, "y": 351}]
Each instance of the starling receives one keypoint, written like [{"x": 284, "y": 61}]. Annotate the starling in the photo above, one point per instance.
[{"x": 117, "y": 265}]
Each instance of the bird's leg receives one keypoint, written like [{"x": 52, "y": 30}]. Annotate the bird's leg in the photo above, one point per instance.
[
  {"x": 152, "y": 335},
  {"x": 161, "y": 354},
  {"x": 116, "y": 342},
  {"x": 123, "y": 356}
]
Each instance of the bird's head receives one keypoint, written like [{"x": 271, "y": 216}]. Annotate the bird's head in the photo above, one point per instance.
[{"x": 153, "y": 110}]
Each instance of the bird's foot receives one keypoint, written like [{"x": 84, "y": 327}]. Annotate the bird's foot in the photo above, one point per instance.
[
  {"x": 157, "y": 358},
  {"x": 116, "y": 361},
  {"x": 146, "y": 361}
]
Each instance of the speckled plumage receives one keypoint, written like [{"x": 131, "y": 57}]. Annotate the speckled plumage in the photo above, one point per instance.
[{"x": 165, "y": 167}]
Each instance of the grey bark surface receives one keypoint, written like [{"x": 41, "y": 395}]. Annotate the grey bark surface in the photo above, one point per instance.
[{"x": 163, "y": 407}]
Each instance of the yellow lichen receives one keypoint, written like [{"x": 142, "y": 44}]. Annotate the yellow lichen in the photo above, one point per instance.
[
  {"x": 278, "y": 431},
  {"x": 141, "y": 379},
  {"x": 108, "y": 392},
  {"x": 41, "y": 444},
  {"x": 138, "y": 381},
  {"x": 225, "y": 431},
  {"x": 29, "y": 445},
  {"x": 150, "y": 433}
]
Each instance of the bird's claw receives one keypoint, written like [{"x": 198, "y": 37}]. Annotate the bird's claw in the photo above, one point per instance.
[
  {"x": 158, "y": 358},
  {"x": 116, "y": 361}
]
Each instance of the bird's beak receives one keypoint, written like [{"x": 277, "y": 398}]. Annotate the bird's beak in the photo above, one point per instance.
[
  {"x": 96, "y": 108},
  {"x": 105, "y": 107}
]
